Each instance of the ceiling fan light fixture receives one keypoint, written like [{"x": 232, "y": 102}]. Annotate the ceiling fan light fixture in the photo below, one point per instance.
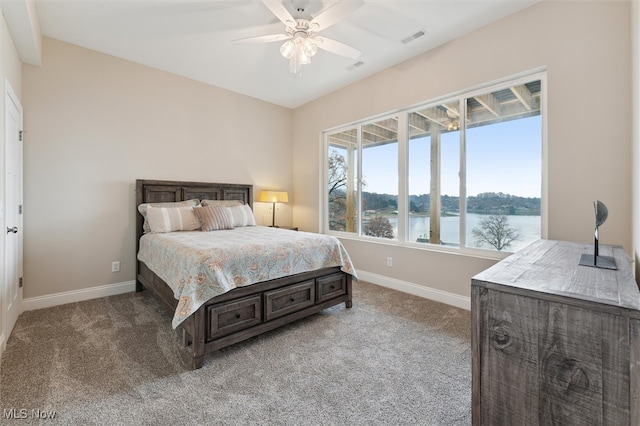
[
  {"x": 303, "y": 59},
  {"x": 294, "y": 65},
  {"x": 309, "y": 48},
  {"x": 287, "y": 49},
  {"x": 299, "y": 51}
]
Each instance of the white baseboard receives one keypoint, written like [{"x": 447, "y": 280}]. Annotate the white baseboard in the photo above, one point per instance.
[
  {"x": 417, "y": 290},
  {"x": 50, "y": 300},
  {"x": 39, "y": 302}
]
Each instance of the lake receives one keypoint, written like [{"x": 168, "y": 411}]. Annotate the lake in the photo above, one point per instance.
[{"x": 529, "y": 228}]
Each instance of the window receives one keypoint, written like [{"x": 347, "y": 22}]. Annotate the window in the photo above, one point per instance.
[
  {"x": 503, "y": 167},
  {"x": 462, "y": 173},
  {"x": 433, "y": 183},
  {"x": 380, "y": 179},
  {"x": 342, "y": 181}
]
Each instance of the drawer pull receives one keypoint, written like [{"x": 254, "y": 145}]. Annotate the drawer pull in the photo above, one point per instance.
[
  {"x": 237, "y": 316},
  {"x": 292, "y": 300},
  {"x": 332, "y": 287}
]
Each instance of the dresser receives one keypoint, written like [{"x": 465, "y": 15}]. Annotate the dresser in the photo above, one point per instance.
[{"x": 555, "y": 343}]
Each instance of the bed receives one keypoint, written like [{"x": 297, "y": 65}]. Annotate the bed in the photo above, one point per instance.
[{"x": 245, "y": 305}]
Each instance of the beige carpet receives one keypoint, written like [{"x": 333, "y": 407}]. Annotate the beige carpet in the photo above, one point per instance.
[{"x": 391, "y": 359}]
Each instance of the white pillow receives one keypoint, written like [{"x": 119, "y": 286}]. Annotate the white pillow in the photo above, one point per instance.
[
  {"x": 170, "y": 219},
  {"x": 242, "y": 215}
]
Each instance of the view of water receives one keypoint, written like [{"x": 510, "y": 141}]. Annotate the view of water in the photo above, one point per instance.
[{"x": 529, "y": 228}]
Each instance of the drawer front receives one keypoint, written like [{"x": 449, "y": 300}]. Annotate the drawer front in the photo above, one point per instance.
[
  {"x": 330, "y": 287},
  {"x": 283, "y": 301},
  {"x": 550, "y": 363},
  {"x": 233, "y": 316}
]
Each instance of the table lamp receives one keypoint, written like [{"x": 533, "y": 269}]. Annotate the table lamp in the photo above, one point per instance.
[{"x": 273, "y": 197}]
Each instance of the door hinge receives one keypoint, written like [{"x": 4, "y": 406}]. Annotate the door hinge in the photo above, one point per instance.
[
  {"x": 21, "y": 134},
  {"x": 20, "y": 209},
  {"x": 20, "y": 282}
]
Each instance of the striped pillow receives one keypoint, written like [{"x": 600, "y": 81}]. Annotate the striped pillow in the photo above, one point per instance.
[
  {"x": 170, "y": 219},
  {"x": 142, "y": 208},
  {"x": 242, "y": 215},
  {"x": 214, "y": 218}
]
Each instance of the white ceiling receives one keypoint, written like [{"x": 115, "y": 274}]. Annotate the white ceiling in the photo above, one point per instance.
[{"x": 194, "y": 39}]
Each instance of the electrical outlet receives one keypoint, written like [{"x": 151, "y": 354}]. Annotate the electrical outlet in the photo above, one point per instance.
[
  {"x": 115, "y": 266},
  {"x": 389, "y": 261}
]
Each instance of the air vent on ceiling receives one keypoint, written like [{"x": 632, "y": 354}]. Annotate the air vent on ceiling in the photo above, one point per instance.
[
  {"x": 413, "y": 37},
  {"x": 356, "y": 65}
]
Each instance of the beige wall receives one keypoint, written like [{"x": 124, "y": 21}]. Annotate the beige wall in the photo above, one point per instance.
[
  {"x": 96, "y": 123},
  {"x": 585, "y": 47}
]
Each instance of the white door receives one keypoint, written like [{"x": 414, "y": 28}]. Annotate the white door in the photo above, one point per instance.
[{"x": 12, "y": 293}]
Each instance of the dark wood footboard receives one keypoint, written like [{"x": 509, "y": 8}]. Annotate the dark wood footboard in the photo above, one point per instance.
[{"x": 248, "y": 311}]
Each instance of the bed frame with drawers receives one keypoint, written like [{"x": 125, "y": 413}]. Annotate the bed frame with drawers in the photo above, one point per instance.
[{"x": 243, "y": 312}]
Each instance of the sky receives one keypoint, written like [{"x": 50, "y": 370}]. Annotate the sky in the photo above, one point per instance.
[{"x": 503, "y": 157}]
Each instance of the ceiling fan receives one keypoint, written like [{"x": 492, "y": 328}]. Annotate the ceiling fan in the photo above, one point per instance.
[{"x": 302, "y": 41}]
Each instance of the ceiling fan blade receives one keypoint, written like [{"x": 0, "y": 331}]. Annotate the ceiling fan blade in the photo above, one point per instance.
[
  {"x": 281, "y": 12},
  {"x": 336, "y": 47},
  {"x": 263, "y": 39},
  {"x": 334, "y": 14}
]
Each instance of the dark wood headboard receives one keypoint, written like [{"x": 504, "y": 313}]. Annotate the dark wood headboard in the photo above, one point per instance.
[{"x": 163, "y": 191}]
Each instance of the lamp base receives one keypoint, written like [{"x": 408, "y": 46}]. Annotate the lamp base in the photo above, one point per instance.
[
  {"x": 604, "y": 262},
  {"x": 273, "y": 218}
]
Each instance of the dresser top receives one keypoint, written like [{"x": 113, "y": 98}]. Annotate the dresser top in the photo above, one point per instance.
[{"x": 550, "y": 268}]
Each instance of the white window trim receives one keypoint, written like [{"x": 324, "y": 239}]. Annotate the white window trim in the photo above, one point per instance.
[{"x": 402, "y": 114}]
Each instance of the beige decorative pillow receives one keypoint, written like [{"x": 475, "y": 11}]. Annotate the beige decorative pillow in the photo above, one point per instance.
[
  {"x": 223, "y": 203},
  {"x": 142, "y": 208},
  {"x": 170, "y": 219},
  {"x": 242, "y": 215},
  {"x": 214, "y": 218}
]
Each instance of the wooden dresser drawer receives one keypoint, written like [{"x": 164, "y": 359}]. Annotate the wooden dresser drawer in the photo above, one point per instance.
[
  {"x": 233, "y": 316},
  {"x": 290, "y": 299},
  {"x": 330, "y": 287}
]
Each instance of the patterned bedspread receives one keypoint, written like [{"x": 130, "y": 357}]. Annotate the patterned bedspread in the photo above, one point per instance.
[{"x": 201, "y": 265}]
